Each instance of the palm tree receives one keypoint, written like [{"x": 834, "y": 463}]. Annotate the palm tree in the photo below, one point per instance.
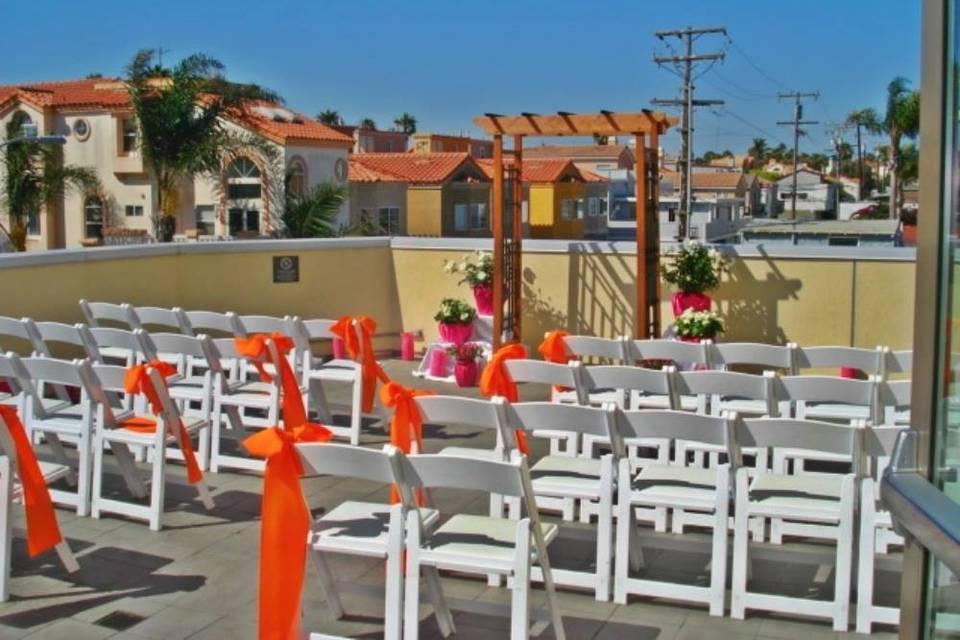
[
  {"x": 779, "y": 152},
  {"x": 33, "y": 176},
  {"x": 329, "y": 116},
  {"x": 759, "y": 150},
  {"x": 901, "y": 119},
  {"x": 180, "y": 113},
  {"x": 864, "y": 120},
  {"x": 406, "y": 123},
  {"x": 368, "y": 124},
  {"x": 314, "y": 214}
]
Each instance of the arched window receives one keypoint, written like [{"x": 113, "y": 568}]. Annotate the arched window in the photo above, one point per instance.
[
  {"x": 22, "y": 126},
  {"x": 93, "y": 217},
  {"x": 243, "y": 180},
  {"x": 296, "y": 178}
]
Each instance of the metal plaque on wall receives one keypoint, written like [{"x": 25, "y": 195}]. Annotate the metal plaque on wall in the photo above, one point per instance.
[{"x": 286, "y": 269}]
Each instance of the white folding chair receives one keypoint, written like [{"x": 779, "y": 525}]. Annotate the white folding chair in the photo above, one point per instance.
[
  {"x": 876, "y": 528},
  {"x": 110, "y": 315},
  {"x": 49, "y": 335},
  {"x": 817, "y": 505},
  {"x": 477, "y": 544},
  {"x": 316, "y": 370},
  {"x": 246, "y": 403},
  {"x": 566, "y": 376},
  {"x": 869, "y": 361},
  {"x": 58, "y": 422},
  {"x": 731, "y": 356},
  {"x": 122, "y": 347},
  {"x": 214, "y": 323},
  {"x": 16, "y": 335},
  {"x": 588, "y": 480},
  {"x": 11, "y": 492},
  {"x": 893, "y": 398},
  {"x": 360, "y": 528},
  {"x": 165, "y": 320},
  {"x": 693, "y": 489},
  {"x": 112, "y": 433},
  {"x": 593, "y": 350},
  {"x": 18, "y": 382},
  {"x": 684, "y": 355}
]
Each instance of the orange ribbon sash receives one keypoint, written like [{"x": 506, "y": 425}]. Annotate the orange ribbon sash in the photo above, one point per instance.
[
  {"x": 406, "y": 425},
  {"x": 254, "y": 348},
  {"x": 496, "y": 381},
  {"x": 553, "y": 348},
  {"x": 138, "y": 380},
  {"x": 43, "y": 532},
  {"x": 370, "y": 368}
]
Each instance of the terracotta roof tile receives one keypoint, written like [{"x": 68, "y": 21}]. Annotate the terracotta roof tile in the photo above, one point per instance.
[
  {"x": 577, "y": 151},
  {"x": 415, "y": 168},
  {"x": 711, "y": 180}
]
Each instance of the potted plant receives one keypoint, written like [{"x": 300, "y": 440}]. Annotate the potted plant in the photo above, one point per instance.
[
  {"x": 693, "y": 270},
  {"x": 456, "y": 320},
  {"x": 694, "y": 326},
  {"x": 465, "y": 367},
  {"x": 477, "y": 271}
]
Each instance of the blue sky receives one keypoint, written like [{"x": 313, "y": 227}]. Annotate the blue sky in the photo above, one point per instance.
[{"x": 446, "y": 61}]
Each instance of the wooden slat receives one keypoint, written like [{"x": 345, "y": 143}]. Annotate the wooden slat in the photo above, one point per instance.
[
  {"x": 497, "y": 196},
  {"x": 642, "y": 307},
  {"x": 607, "y": 123}
]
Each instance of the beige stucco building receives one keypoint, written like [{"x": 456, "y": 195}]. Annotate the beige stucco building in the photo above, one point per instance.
[{"x": 94, "y": 118}]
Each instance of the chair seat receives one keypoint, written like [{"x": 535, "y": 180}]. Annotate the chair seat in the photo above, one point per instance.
[
  {"x": 674, "y": 485},
  {"x": 117, "y": 353},
  {"x": 656, "y": 401},
  {"x": 489, "y": 542},
  {"x": 187, "y": 389},
  {"x": 566, "y": 476},
  {"x": 51, "y": 472},
  {"x": 355, "y": 524},
  {"x": 191, "y": 423},
  {"x": 61, "y": 417},
  {"x": 836, "y": 411},
  {"x": 803, "y": 495},
  {"x": 337, "y": 369},
  {"x": 744, "y": 406}
]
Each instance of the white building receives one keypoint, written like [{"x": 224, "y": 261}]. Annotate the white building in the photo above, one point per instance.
[
  {"x": 245, "y": 200},
  {"x": 816, "y": 197}
]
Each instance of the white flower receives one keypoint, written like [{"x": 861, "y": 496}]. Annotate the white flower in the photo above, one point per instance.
[
  {"x": 462, "y": 267},
  {"x": 464, "y": 316},
  {"x": 482, "y": 276}
]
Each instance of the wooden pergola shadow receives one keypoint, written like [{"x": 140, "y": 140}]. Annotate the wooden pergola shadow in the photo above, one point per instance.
[{"x": 507, "y": 241}]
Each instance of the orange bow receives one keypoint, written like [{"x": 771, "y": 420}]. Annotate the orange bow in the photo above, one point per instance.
[
  {"x": 406, "y": 425},
  {"x": 138, "y": 380},
  {"x": 370, "y": 368},
  {"x": 254, "y": 348},
  {"x": 284, "y": 527},
  {"x": 43, "y": 532},
  {"x": 496, "y": 381},
  {"x": 554, "y": 348}
]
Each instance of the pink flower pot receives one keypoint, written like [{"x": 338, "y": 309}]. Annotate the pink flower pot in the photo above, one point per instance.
[
  {"x": 483, "y": 297},
  {"x": 689, "y": 339},
  {"x": 438, "y": 363},
  {"x": 457, "y": 333},
  {"x": 465, "y": 373},
  {"x": 696, "y": 301},
  {"x": 406, "y": 345}
]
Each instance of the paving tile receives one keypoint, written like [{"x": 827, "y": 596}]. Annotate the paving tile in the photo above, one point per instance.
[
  {"x": 174, "y": 623},
  {"x": 74, "y": 629}
]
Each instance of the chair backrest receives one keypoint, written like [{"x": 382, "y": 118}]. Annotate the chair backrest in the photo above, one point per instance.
[
  {"x": 463, "y": 472},
  {"x": 344, "y": 460},
  {"x": 119, "y": 314},
  {"x": 719, "y": 385},
  {"x": 594, "y": 421},
  {"x": 77, "y": 335},
  {"x": 65, "y": 372},
  {"x": 489, "y": 414},
  {"x": 894, "y": 393},
  {"x": 679, "y": 425},
  {"x": 791, "y": 433},
  {"x": 16, "y": 374},
  {"x": 624, "y": 378},
  {"x": 878, "y": 442},
  {"x": 151, "y": 318},
  {"x": 137, "y": 341},
  {"x": 612, "y": 350},
  {"x": 215, "y": 323},
  {"x": 20, "y": 330},
  {"x": 826, "y": 389},
  {"x": 755, "y": 354},
  {"x": 540, "y": 372},
  {"x": 682, "y": 353},
  {"x": 180, "y": 344},
  {"x": 265, "y": 324},
  {"x": 899, "y": 361},
  {"x": 870, "y": 361}
]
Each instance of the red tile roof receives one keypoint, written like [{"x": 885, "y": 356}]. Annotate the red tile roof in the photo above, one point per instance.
[
  {"x": 416, "y": 168},
  {"x": 711, "y": 180},
  {"x": 545, "y": 170},
  {"x": 111, "y": 93},
  {"x": 598, "y": 151}
]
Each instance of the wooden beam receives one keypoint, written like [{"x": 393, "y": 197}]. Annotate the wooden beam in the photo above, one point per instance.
[
  {"x": 608, "y": 123},
  {"x": 653, "y": 237},
  {"x": 517, "y": 229},
  {"x": 643, "y": 279},
  {"x": 497, "y": 196}
]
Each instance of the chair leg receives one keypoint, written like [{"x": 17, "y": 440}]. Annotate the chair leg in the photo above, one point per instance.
[
  {"x": 328, "y": 584},
  {"x": 497, "y": 506},
  {"x": 604, "y": 531},
  {"x": 740, "y": 548},
  {"x": 60, "y": 454},
  {"x": 440, "y": 608},
  {"x": 392, "y": 615},
  {"x": 718, "y": 560},
  {"x": 622, "y": 560},
  {"x": 203, "y": 446},
  {"x": 318, "y": 399},
  {"x": 356, "y": 411},
  {"x": 6, "y": 526},
  {"x": 97, "y": 489},
  {"x": 844, "y": 568},
  {"x": 157, "y": 489},
  {"x": 411, "y": 587},
  {"x": 520, "y": 600},
  {"x": 128, "y": 468},
  {"x": 865, "y": 561},
  {"x": 84, "y": 474},
  {"x": 216, "y": 424}
]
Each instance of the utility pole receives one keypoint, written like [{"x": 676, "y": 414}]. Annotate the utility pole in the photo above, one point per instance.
[
  {"x": 684, "y": 67},
  {"x": 797, "y": 97}
]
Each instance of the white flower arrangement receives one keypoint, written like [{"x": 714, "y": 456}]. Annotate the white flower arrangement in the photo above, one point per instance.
[
  {"x": 455, "y": 311},
  {"x": 477, "y": 268},
  {"x": 699, "y": 324}
]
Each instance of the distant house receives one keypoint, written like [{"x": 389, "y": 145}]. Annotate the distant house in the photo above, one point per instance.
[
  {"x": 740, "y": 162},
  {"x": 720, "y": 199},
  {"x": 840, "y": 233},
  {"x": 560, "y": 200},
  {"x": 420, "y": 194},
  {"x": 598, "y": 158},
  {"x": 440, "y": 143},
  {"x": 816, "y": 196},
  {"x": 374, "y": 140}
]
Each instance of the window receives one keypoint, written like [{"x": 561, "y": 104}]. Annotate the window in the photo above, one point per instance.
[
  {"x": 244, "y": 221},
  {"x": 28, "y": 128},
  {"x": 133, "y": 210},
  {"x": 206, "y": 219},
  {"x": 478, "y": 216},
  {"x": 243, "y": 180},
  {"x": 603, "y": 205},
  {"x": 468, "y": 217},
  {"x": 33, "y": 223},
  {"x": 93, "y": 218},
  {"x": 593, "y": 207},
  {"x": 671, "y": 215},
  {"x": 388, "y": 218},
  {"x": 461, "y": 221},
  {"x": 296, "y": 179},
  {"x": 130, "y": 135},
  {"x": 81, "y": 129},
  {"x": 568, "y": 209}
]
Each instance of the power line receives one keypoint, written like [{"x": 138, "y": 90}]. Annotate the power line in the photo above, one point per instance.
[
  {"x": 756, "y": 68},
  {"x": 683, "y": 65},
  {"x": 747, "y": 92},
  {"x": 756, "y": 127},
  {"x": 797, "y": 97}
]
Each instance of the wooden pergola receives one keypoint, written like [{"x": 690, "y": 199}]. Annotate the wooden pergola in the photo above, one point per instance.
[{"x": 646, "y": 127}]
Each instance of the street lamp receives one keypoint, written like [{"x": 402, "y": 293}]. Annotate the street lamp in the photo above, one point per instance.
[{"x": 57, "y": 140}]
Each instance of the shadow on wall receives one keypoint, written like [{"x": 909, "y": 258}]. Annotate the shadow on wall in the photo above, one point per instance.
[
  {"x": 539, "y": 316},
  {"x": 750, "y": 306},
  {"x": 601, "y": 292}
]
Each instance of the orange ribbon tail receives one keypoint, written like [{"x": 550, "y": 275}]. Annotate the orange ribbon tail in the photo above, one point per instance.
[
  {"x": 406, "y": 426},
  {"x": 360, "y": 350},
  {"x": 43, "y": 532},
  {"x": 553, "y": 348},
  {"x": 496, "y": 381}
]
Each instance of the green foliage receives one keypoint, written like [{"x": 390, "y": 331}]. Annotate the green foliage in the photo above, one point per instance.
[
  {"x": 406, "y": 123},
  {"x": 32, "y": 176},
  {"x": 368, "y": 124},
  {"x": 329, "y": 116},
  {"x": 699, "y": 324},
  {"x": 694, "y": 269},
  {"x": 759, "y": 149},
  {"x": 476, "y": 272},
  {"x": 455, "y": 311},
  {"x": 313, "y": 214}
]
